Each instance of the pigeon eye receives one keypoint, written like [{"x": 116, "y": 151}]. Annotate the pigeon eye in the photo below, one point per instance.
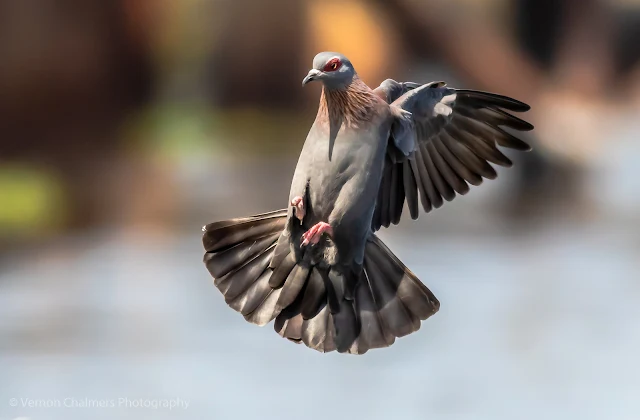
[{"x": 333, "y": 65}]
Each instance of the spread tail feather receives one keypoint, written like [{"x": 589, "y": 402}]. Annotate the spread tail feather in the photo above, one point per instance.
[{"x": 326, "y": 309}]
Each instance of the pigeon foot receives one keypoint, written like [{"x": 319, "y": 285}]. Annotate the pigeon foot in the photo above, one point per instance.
[
  {"x": 313, "y": 235},
  {"x": 298, "y": 208}
]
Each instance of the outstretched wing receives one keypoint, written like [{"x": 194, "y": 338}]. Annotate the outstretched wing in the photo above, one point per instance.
[{"x": 442, "y": 140}]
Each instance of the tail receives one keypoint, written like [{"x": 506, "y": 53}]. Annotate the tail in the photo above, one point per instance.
[{"x": 325, "y": 309}]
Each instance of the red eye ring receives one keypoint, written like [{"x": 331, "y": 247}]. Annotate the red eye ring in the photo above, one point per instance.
[{"x": 333, "y": 64}]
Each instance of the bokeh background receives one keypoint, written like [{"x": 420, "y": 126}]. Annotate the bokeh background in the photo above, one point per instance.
[{"x": 126, "y": 125}]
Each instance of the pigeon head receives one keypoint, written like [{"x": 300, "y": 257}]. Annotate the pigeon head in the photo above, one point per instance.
[{"x": 334, "y": 70}]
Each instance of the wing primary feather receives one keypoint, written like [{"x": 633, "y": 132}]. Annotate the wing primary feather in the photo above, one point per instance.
[
  {"x": 490, "y": 134},
  {"x": 478, "y": 129},
  {"x": 468, "y": 158},
  {"x": 509, "y": 140},
  {"x": 448, "y": 174},
  {"x": 430, "y": 190},
  {"x": 479, "y": 147},
  {"x": 495, "y": 117},
  {"x": 486, "y": 98},
  {"x": 511, "y": 121},
  {"x": 455, "y": 163},
  {"x": 376, "y": 221},
  {"x": 397, "y": 202},
  {"x": 393, "y": 194},
  {"x": 445, "y": 190},
  {"x": 386, "y": 187},
  {"x": 410, "y": 189}
]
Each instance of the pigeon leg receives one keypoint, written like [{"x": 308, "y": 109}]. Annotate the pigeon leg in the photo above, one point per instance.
[
  {"x": 313, "y": 235},
  {"x": 298, "y": 208}
]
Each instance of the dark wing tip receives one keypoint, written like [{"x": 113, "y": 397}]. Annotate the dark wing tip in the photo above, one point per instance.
[
  {"x": 494, "y": 99},
  {"x": 527, "y": 149}
]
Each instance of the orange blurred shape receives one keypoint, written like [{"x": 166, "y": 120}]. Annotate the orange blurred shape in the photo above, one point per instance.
[{"x": 354, "y": 29}]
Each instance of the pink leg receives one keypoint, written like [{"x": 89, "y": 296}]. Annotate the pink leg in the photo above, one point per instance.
[
  {"x": 298, "y": 208},
  {"x": 313, "y": 235}
]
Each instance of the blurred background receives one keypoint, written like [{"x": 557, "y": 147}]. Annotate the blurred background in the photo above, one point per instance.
[{"x": 126, "y": 125}]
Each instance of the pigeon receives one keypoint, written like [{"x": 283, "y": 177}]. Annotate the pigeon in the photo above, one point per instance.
[{"x": 317, "y": 267}]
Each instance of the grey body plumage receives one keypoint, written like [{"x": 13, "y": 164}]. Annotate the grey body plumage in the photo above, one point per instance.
[
  {"x": 340, "y": 175},
  {"x": 367, "y": 153}
]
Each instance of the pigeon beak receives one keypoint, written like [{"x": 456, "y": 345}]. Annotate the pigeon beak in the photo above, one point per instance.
[{"x": 313, "y": 75}]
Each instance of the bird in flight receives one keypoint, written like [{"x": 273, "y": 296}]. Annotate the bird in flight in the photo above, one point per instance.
[{"x": 317, "y": 267}]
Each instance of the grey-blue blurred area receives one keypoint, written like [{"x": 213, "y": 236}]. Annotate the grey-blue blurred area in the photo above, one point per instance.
[{"x": 127, "y": 125}]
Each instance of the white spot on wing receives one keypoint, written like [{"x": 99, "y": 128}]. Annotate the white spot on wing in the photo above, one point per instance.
[
  {"x": 449, "y": 99},
  {"x": 441, "y": 109}
]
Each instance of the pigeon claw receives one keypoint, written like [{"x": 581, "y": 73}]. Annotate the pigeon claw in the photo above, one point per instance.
[
  {"x": 298, "y": 208},
  {"x": 313, "y": 235}
]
